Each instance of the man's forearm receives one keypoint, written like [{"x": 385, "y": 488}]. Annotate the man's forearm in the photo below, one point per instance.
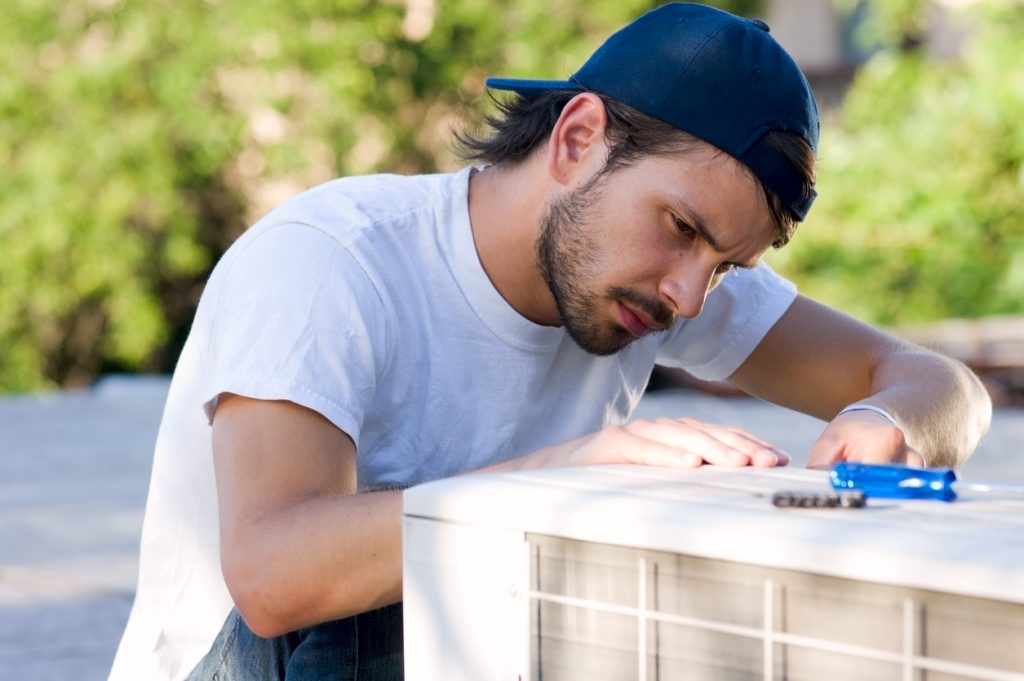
[
  {"x": 317, "y": 560},
  {"x": 818, "y": 361}
]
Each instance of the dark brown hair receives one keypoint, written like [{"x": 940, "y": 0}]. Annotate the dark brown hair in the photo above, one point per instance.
[{"x": 521, "y": 125}]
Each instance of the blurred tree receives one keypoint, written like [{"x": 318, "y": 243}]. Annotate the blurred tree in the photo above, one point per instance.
[
  {"x": 922, "y": 177},
  {"x": 138, "y": 139}
]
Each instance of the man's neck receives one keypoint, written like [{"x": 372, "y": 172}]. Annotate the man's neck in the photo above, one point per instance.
[{"x": 505, "y": 210}]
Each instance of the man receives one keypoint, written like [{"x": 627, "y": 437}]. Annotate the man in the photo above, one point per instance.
[{"x": 377, "y": 332}]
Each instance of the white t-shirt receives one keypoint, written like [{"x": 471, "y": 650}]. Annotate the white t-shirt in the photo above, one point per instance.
[{"x": 364, "y": 299}]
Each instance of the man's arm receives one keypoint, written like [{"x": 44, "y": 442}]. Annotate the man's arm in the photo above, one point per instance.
[
  {"x": 818, "y": 361},
  {"x": 298, "y": 546}
]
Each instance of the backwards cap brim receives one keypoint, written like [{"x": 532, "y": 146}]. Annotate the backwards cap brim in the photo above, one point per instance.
[{"x": 530, "y": 87}]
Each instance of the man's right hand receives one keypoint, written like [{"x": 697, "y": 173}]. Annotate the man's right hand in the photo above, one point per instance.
[{"x": 679, "y": 443}]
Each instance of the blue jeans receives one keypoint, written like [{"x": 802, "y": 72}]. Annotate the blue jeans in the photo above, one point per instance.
[{"x": 366, "y": 647}]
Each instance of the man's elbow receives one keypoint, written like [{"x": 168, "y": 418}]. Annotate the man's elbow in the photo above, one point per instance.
[
  {"x": 258, "y": 596},
  {"x": 974, "y": 405},
  {"x": 980, "y": 406}
]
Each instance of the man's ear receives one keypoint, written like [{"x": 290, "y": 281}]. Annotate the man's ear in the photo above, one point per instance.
[{"x": 577, "y": 147}]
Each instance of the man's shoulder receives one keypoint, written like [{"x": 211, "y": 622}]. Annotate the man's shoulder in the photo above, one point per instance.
[
  {"x": 376, "y": 237},
  {"x": 344, "y": 207}
]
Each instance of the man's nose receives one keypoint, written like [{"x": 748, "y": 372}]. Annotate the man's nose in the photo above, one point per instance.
[{"x": 685, "y": 289}]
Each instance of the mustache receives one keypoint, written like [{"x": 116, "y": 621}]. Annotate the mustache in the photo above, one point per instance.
[{"x": 652, "y": 307}]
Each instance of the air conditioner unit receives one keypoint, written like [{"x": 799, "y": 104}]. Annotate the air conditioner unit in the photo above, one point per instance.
[{"x": 621, "y": 572}]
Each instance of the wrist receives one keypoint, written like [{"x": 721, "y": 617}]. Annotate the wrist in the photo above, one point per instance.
[{"x": 869, "y": 407}]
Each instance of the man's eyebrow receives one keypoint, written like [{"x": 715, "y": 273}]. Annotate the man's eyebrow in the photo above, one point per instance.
[
  {"x": 699, "y": 225},
  {"x": 696, "y": 222}
]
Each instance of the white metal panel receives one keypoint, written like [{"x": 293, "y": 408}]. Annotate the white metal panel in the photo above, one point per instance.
[{"x": 465, "y": 608}]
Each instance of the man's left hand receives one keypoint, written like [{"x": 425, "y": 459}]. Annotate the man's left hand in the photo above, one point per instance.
[{"x": 862, "y": 436}]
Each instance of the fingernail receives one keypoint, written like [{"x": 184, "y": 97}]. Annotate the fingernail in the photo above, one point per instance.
[{"x": 782, "y": 457}]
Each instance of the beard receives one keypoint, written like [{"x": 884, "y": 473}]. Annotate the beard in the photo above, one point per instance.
[{"x": 569, "y": 258}]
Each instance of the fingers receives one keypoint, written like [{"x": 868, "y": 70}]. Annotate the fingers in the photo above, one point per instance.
[
  {"x": 760, "y": 452},
  {"x": 914, "y": 459},
  {"x": 686, "y": 442}
]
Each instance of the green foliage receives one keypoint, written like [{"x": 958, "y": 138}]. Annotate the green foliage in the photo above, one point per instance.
[
  {"x": 922, "y": 183},
  {"x": 137, "y": 139}
]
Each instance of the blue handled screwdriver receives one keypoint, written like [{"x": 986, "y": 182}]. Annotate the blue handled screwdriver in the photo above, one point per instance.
[{"x": 890, "y": 481}]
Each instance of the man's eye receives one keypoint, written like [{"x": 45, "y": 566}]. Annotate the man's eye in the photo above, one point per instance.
[{"x": 684, "y": 228}]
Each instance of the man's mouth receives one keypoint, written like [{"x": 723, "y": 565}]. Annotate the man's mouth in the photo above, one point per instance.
[{"x": 636, "y": 321}]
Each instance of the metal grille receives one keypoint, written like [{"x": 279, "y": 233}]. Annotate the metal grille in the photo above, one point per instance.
[{"x": 607, "y": 612}]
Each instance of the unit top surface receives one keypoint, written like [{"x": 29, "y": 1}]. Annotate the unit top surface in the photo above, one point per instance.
[{"x": 973, "y": 546}]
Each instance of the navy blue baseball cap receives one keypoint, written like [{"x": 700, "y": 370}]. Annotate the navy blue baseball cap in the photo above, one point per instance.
[{"x": 719, "y": 77}]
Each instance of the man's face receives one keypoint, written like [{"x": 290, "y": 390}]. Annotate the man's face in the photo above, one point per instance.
[{"x": 627, "y": 253}]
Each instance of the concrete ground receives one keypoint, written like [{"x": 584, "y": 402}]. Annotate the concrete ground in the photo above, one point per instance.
[{"x": 74, "y": 468}]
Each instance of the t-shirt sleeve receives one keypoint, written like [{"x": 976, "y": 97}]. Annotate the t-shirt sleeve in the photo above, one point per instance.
[
  {"x": 296, "y": 318},
  {"x": 737, "y": 315}
]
